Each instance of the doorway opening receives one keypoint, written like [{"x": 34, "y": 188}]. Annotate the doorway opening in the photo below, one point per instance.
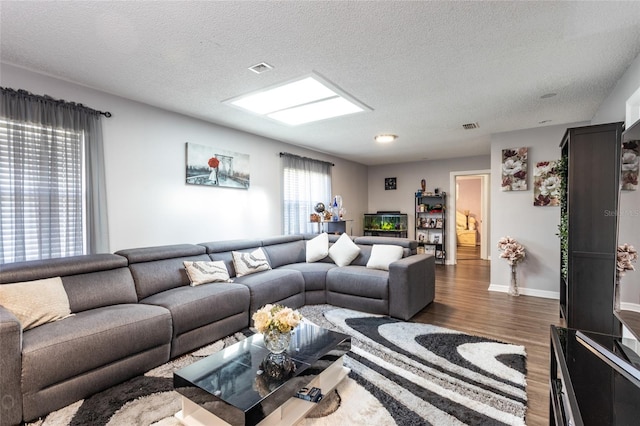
[{"x": 469, "y": 217}]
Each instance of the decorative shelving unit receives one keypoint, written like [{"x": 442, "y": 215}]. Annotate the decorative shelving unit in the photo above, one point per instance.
[
  {"x": 591, "y": 158},
  {"x": 431, "y": 225}
]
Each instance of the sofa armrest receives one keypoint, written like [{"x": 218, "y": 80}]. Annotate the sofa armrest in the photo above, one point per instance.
[
  {"x": 10, "y": 368},
  {"x": 412, "y": 285}
]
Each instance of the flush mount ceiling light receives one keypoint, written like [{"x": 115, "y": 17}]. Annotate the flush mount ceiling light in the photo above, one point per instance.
[
  {"x": 304, "y": 100},
  {"x": 385, "y": 138}
]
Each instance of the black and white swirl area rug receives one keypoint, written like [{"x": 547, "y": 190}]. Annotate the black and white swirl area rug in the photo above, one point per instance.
[{"x": 402, "y": 373}]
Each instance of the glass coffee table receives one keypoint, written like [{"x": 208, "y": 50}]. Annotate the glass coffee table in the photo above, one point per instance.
[{"x": 246, "y": 385}]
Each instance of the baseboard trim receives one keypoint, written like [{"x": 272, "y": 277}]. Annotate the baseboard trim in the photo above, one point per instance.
[
  {"x": 625, "y": 306},
  {"x": 545, "y": 294}
]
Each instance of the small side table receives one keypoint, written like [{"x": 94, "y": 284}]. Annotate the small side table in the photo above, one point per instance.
[{"x": 335, "y": 226}]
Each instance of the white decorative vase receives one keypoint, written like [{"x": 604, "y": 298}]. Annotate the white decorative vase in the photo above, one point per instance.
[
  {"x": 276, "y": 341},
  {"x": 513, "y": 286}
]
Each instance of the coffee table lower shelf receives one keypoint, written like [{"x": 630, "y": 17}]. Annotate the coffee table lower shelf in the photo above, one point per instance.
[{"x": 289, "y": 413}]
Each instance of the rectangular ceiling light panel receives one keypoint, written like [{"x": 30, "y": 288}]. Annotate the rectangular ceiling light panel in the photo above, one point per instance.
[
  {"x": 298, "y": 102},
  {"x": 321, "y": 110}
]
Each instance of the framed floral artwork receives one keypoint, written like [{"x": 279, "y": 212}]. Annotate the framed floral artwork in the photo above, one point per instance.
[
  {"x": 514, "y": 169},
  {"x": 546, "y": 184},
  {"x": 630, "y": 165},
  {"x": 211, "y": 166}
]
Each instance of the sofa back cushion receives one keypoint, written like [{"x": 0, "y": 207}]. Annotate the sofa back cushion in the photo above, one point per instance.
[
  {"x": 363, "y": 256},
  {"x": 100, "y": 288},
  {"x": 409, "y": 246},
  {"x": 221, "y": 250},
  {"x": 156, "y": 269},
  {"x": 91, "y": 281},
  {"x": 284, "y": 250}
]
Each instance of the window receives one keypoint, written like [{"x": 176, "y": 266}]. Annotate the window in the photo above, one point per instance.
[
  {"x": 41, "y": 192},
  {"x": 52, "y": 180},
  {"x": 306, "y": 183}
]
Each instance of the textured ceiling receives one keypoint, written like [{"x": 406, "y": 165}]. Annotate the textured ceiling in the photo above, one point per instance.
[{"x": 425, "y": 68}]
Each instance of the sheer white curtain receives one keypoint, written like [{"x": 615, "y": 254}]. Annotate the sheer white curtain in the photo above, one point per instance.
[
  {"x": 306, "y": 182},
  {"x": 52, "y": 182}
]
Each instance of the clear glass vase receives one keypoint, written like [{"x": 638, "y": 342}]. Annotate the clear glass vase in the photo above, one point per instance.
[
  {"x": 513, "y": 286},
  {"x": 276, "y": 341}
]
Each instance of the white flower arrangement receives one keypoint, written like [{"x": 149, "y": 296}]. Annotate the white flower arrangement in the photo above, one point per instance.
[
  {"x": 511, "y": 250},
  {"x": 276, "y": 317},
  {"x": 625, "y": 256}
]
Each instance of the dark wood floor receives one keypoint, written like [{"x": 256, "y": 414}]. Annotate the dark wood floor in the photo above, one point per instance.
[{"x": 463, "y": 303}]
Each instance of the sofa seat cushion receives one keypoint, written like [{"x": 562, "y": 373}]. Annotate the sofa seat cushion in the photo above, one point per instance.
[
  {"x": 194, "y": 307},
  {"x": 314, "y": 274},
  {"x": 272, "y": 286},
  {"x": 359, "y": 281},
  {"x": 90, "y": 339}
]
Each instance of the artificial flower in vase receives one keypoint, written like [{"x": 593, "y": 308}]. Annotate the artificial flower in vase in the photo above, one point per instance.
[
  {"x": 514, "y": 253},
  {"x": 275, "y": 322},
  {"x": 626, "y": 255}
]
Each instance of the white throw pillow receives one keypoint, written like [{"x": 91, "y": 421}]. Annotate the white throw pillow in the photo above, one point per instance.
[
  {"x": 382, "y": 255},
  {"x": 318, "y": 248},
  {"x": 207, "y": 272},
  {"x": 36, "y": 302},
  {"x": 343, "y": 251},
  {"x": 250, "y": 263}
]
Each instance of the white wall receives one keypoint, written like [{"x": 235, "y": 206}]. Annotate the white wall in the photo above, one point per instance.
[
  {"x": 148, "y": 200},
  {"x": 513, "y": 214}
]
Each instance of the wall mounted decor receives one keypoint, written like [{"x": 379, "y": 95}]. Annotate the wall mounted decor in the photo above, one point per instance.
[
  {"x": 389, "y": 183},
  {"x": 211, "y": 166},
  {"x": 630, "y": 165},
  {"x": 514, "y": 169},
  {"x": 546, "y": 184}
]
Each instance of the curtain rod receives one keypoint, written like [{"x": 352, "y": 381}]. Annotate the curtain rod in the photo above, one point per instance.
[
  {"x": 305, "y": 158},
  {"x": 51, "y": 99}
]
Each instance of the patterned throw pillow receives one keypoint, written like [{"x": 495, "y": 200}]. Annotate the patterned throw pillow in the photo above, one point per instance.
[
  {"x": 207, "y": 272},
  {"x": 250, "y": 263},
  {"x": 343, "y": 251},
  {"x": 382, "y": 255},
  {"x": 36, "y": 302}
]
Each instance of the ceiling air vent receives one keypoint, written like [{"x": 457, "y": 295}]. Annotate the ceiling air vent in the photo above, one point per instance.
[
  {"x": 470, "y": 126},
  {"x": 261, "y": 67}
]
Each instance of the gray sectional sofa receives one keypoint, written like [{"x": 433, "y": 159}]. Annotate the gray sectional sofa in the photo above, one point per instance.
[{"x": 135, "y": 310}]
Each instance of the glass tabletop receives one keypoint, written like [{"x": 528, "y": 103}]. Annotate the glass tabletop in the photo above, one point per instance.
[{"x": 241, "y": 379}]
